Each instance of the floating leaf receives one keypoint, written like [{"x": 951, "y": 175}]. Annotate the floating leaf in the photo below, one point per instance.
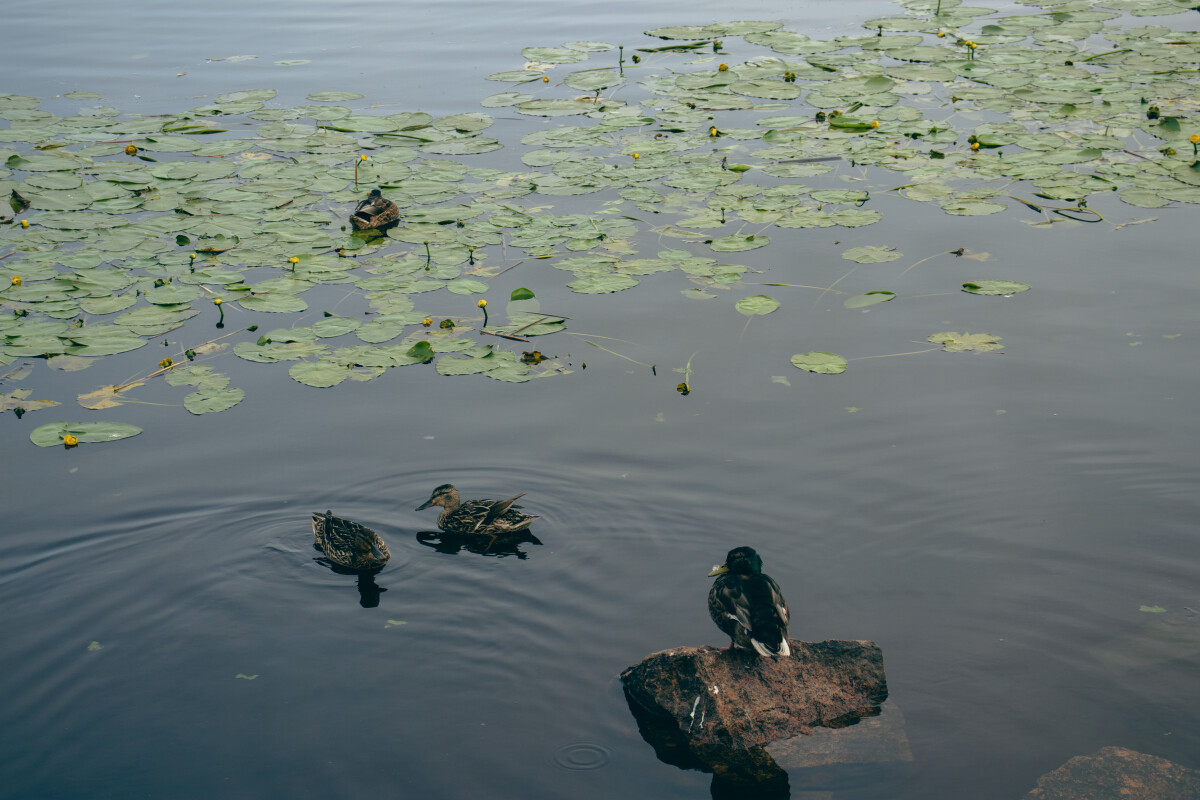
[
  {"x": 521, "y": 294},
  {"x": 756, "y": 305},
  {"x": 871, "y": 255},
  {"x": 817, "y": 361},
  {"x": 735, "y": 243},
  {"x": 1152, "y": 609},
  {"x": 869, "y": 299},
  {"x": 52, "y": 434},
  {"x": 961, "y": 342},
  {"x": 421, "y": 351},
  {"x": 211, "y": 400},
  {"x": 995, "y": 287}
]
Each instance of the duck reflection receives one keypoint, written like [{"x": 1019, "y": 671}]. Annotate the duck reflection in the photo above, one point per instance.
[
  {"x": 487, "y": 545},
  {"x": 368, "y": 590}
]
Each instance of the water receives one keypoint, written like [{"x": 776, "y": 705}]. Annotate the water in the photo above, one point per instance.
[{"x": 994, "y": 522}]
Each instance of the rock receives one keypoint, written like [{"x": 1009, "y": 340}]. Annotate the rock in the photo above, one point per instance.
[
  {"x": 716, "y": 710},
  {"x": 1115, "y": 772}
]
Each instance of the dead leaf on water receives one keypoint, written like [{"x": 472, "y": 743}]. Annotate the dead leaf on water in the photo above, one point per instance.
[
  {"x": 961, "y": 342},
  {"x": 18, "y": 399},
  {"x": 105, "y": 396}
]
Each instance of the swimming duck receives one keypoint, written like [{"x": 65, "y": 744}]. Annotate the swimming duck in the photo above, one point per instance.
[
  {"x": 347, "y": 543},
  {"x": 374, "y": 212},
  {"x": 748, "y": 605},
  {"x": 487, "y": 517}
]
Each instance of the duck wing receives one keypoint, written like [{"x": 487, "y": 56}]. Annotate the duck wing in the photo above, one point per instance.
[{"x": 496, "y": 509}]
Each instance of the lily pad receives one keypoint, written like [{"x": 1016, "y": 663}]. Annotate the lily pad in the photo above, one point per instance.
[
  {"x": 52, "y": 433},
  {"x": 962, "y": 342},
  {"x": 758, "y": 304},
  {"x": 820, "y": 362},
  {"x": 995, "y": 287}
]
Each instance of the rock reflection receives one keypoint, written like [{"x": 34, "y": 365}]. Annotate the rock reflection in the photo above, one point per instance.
[{"x": 498, "y": 546}]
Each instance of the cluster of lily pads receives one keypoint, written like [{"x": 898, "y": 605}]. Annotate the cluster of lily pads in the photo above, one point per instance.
[{"x": 126, "y": 227}]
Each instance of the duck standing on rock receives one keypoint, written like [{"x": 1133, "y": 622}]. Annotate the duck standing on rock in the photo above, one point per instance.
[
  {"x": 748, "y": 606},
  {"x": 347, "y": 543},
  {"x": 488, "y": 517},
  {"x": 374, "y": 212}
]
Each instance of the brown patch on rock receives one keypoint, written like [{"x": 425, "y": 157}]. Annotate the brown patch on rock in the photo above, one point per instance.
[
  {"x": 713, "y": 709},
  {"x": 1116, "y": 772}
]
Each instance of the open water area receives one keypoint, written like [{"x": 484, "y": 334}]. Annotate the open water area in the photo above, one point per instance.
[{"x": 1015, "y": 529}]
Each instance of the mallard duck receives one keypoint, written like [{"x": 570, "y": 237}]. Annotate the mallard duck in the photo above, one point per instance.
[
  {"x": 486, "y": 517},
  {"x": 374, "y": 212},
  {"x": 748, "y": 605},
  {"x": 347, "y": 543}
]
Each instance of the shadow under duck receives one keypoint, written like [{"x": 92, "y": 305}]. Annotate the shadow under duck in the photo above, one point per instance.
[
  {"x": 374, "y": 212},
  {"x": 485, "y": 517},
  {"x": 748, "y": 605},
  {"x": 348, "y": 544}
]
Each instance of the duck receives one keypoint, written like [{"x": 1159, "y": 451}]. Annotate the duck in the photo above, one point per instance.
[
  {"x": 748, "y": 606},
  {"x": 348, "y": 544},
  {"x": 374, "y": 212},
  {"x": 487, "y": 517}
]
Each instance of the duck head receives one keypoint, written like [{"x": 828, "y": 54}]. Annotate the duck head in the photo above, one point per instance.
[
  {"x": 739, "y": 561},
  {"x": 445, "y": 496}
]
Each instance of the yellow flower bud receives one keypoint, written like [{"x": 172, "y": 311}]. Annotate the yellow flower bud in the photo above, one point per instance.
[
  {"x": 637, "y": 155},
  {"x": 1194, "y": 138},
  {"x": 970, "y": 45},
  {"x": 362, "y": 157},
  {"x": 217, "y": 301},
  {"x": 941, "y": 34},
  {"x": 545, "y": 79},
  {"x": 712, "y": 131},
  {"x": 874, "y": 123},
  {"x": 130, "y": 150},
  {"x": 192, "y": 256},
  {"x": 974, "y": 145},
  {"x": 293, "y": 260},
  {"x": 427, "y": 321},
  {"x": 482, "y": 304},
  {"x": 70, "y": 441},
  {"x": 166, "y": 363},
  {"x": 723, "y": 68},
  {"x": 24, "y": 223},
  {"x": 16, "y": 280}
]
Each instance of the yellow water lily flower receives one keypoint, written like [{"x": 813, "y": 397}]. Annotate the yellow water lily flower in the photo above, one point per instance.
[
  {"x": 482, "y": 304},
  {"x": 16, "y": 280},
  {"x": 217, "y": 301},
  {"x": 723, "y": 68},
  {"x": 636, "y": 156},
  {"x": 24, "y": 223},
  {"x": 427, "y": 321},
  {"x": 166, "y": 363},
  {"x": 130, "y": 150},
  {"x": 1194, "y": 138},
  {"x": 293, "y": 260},
  {"x": 70, "y": 441},
  {"x": 362, "y": 157},
  {"x": 874, "y": 123},
  {"x": 545, "y": 79}
]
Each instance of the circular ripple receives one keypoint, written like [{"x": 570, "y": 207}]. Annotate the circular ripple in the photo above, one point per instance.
[{"x": 581, "y": 756}]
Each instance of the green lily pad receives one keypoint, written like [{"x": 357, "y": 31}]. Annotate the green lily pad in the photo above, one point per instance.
[
  {"x": 962, "y": 342},
  {"x": 321, "y": 374},
  {"x": 757, "y": 305},
  {"x": 995, "y": 287},
  {"x": 820, "y": 362},
  {"x": 869, "y": 299},
  {"x": 871, "y": 254},
  {"x": 737, "y": 242},
  {"x": 208, "y": 400},
  {"x": 52, "y": 433}
]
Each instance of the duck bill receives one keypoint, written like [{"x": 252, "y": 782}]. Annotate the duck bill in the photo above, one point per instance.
[
  {"x": 721, "y": 570},
  {"x": 425, "y": 505}
]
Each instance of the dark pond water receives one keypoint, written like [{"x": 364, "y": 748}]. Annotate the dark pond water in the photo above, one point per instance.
[{"x": 994, "y": 521}]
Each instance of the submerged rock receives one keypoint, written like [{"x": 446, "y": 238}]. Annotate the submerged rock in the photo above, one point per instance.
[
  {"x": 716, "y": 710},
  {"x": 1115, "y": 772}
]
